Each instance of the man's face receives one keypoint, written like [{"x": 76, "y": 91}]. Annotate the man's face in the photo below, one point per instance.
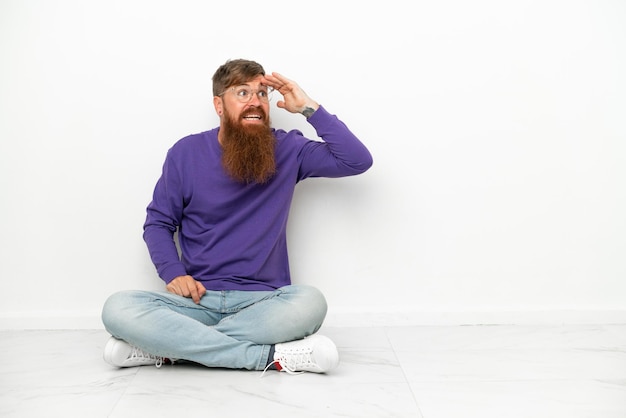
[
  {"x": 248, "y": 143},
  {"x": 252, "y": 113}
]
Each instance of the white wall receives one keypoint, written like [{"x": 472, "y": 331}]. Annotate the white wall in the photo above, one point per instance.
[{"x": 497, "y": 128}]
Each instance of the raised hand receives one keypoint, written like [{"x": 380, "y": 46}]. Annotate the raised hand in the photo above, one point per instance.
[{"x": 295, "y": 99}]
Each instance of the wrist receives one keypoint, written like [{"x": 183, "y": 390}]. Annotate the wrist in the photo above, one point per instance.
[{"x": 309, "y": 109}]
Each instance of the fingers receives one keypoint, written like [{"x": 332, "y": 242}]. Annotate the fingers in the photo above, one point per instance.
[
  {"x": 276, "y": 80},
  {"x": 192, "y": 291},
  {"x": 188, "y": 287},
  {"x": 280, "y": 83},
  {"x": 201, "y": 290}
]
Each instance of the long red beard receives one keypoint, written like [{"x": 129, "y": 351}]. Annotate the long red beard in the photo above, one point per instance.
[{"x": 248, "y": 151}]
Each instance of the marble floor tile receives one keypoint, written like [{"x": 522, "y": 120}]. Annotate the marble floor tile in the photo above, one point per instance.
[
  {"x": 231, "y": 393},
  {"x": 359, "y": 338},
  {"x": 502, "y": 365},
  {"x": 522, "y": 399},
  {"x": 414, "y": 372},
  {"x": 58, "y": 374},
  {"x": 508, "y": 337}
]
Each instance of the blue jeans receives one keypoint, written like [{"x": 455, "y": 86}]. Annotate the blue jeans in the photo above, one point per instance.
[{"x": 229, "y": 328}]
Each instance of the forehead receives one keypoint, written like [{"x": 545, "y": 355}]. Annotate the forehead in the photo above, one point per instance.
[{"x": 252, "y": 82}]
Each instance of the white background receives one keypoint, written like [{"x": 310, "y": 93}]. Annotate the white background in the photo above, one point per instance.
[{"x": 498, "y": 131}]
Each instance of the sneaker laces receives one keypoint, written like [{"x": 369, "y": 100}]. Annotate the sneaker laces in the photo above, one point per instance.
[
  {"x": 139, "y": 354},
  {"x": 283, "y": 368},
  {"x": 292, "y": 361}
]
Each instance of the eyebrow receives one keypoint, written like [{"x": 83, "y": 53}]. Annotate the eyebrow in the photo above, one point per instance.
[{"x": 249, "y": 84}]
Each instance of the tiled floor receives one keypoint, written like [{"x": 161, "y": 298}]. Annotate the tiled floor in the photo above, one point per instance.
[{"x": 429, "y": 372}]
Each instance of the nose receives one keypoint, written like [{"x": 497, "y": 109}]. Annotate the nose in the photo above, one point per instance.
[{"x": 255, "y": 99}]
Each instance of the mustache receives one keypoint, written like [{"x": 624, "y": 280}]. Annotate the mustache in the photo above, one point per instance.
[{"x": 254, "y": 111}]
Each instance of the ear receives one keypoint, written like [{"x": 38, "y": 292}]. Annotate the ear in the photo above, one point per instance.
[{"x": 219, "y": 105}]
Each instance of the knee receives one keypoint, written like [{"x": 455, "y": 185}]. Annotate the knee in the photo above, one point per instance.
[
  {"x": 115, "y": 310},
  {"x": 317, "y": 300},
  {"x": 312, "y": 305}
]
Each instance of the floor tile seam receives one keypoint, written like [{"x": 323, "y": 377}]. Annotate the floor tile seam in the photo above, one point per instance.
[
  {"x": 402, "y": 369},
  {"x": 124, "y": 392}
]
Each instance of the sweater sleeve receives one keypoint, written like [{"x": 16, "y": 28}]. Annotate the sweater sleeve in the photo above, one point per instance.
[
  {"x": 163, "y": 218},
  {"x": 340, "y": 154}
]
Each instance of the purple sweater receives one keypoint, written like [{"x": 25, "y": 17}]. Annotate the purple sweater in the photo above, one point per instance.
[{"x": 232, "y": 235}]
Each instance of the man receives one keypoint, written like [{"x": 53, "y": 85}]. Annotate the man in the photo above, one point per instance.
[{"x": 227, "y": 192}]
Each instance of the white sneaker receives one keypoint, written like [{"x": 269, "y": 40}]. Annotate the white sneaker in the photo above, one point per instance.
[
  {"x": 316, "y": 354},
  {"x": 121, "y": 354}
]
